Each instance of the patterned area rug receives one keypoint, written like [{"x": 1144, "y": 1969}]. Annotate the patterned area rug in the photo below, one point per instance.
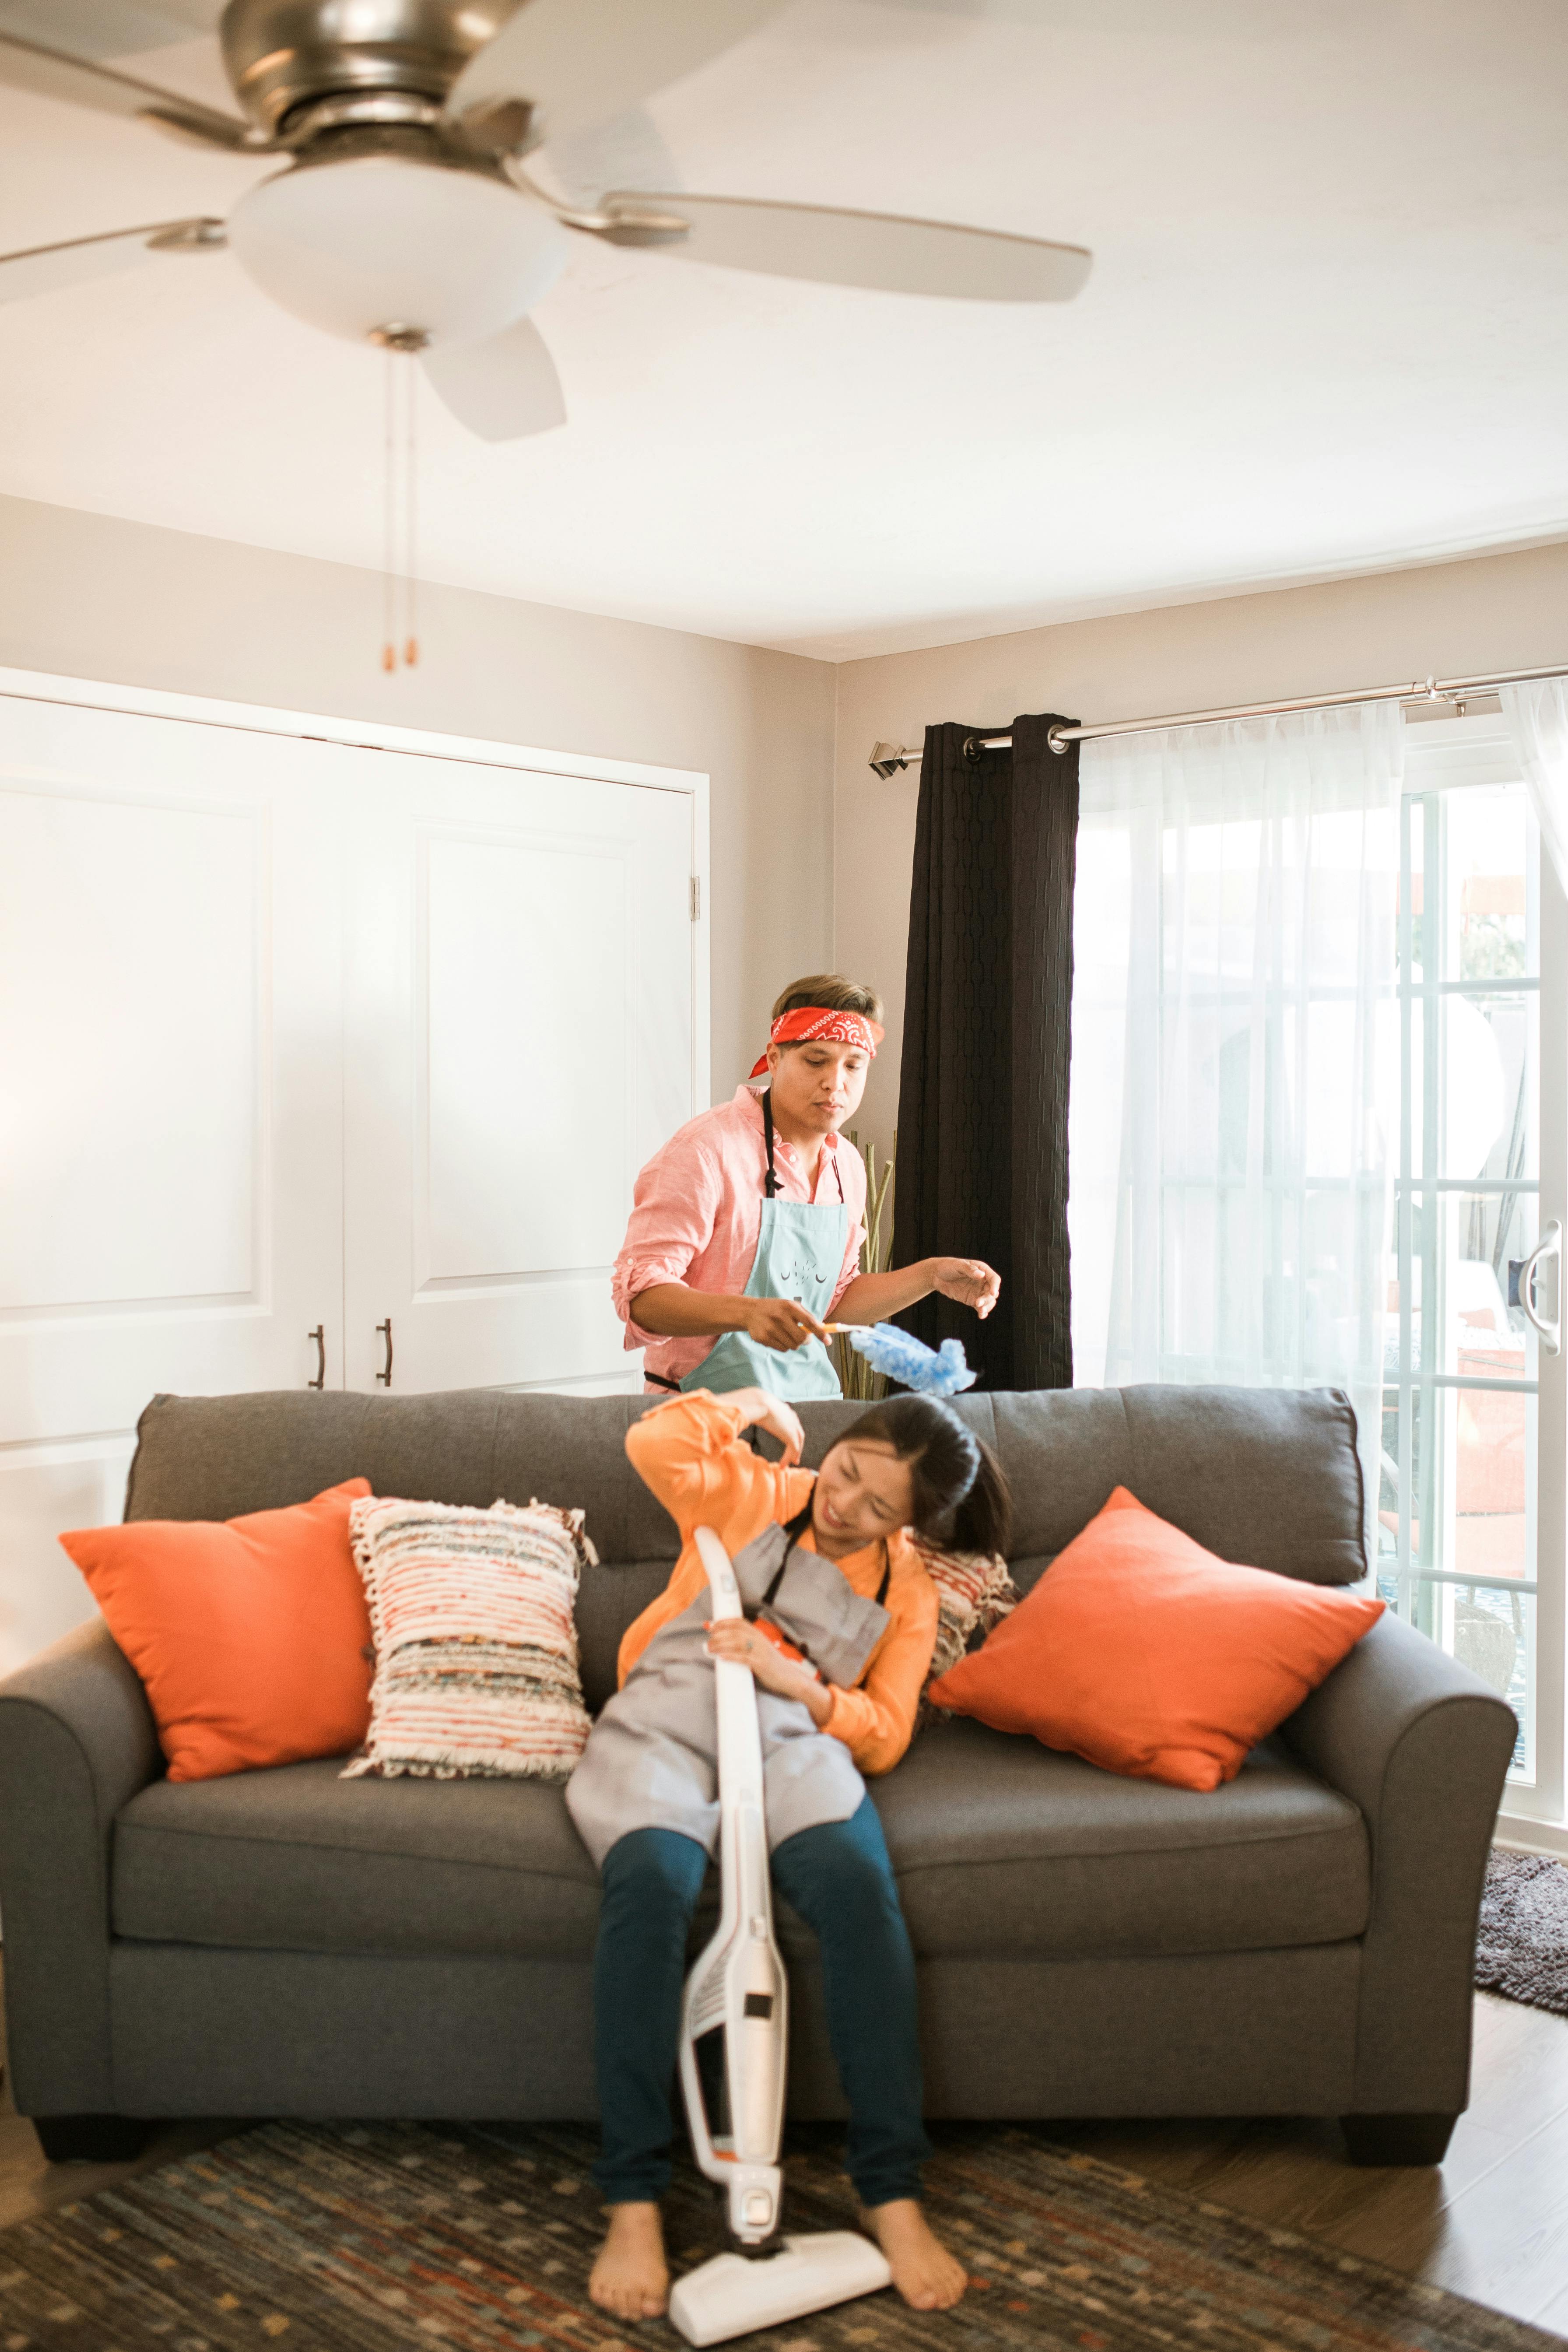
[
  {"x": 409, "y": 2238},
  {"x": 1521, "y": 1947}
]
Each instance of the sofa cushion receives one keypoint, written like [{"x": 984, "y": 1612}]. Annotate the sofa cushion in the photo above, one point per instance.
[
  {"x": 1001, "y": 1849},
  {"x": 450, "y": 1446},
  {"x": 1270, "y": 1476},
  {"x": 610, "y": 1598},
  {"x": 300, "y": 1860}
]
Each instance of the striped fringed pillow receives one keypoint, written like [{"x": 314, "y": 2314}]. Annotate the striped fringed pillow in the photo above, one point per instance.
[
  {"x": 475, "y": 1647},
  {"x": 973, "y": 1593}
]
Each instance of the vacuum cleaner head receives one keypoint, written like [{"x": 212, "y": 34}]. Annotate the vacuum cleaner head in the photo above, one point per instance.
[{"x": 734, "y": 2294}]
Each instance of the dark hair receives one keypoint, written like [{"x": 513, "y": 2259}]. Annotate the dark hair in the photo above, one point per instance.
[
  {"x": 831, "y": 989},
  {"x": 961, "y": 1492}
]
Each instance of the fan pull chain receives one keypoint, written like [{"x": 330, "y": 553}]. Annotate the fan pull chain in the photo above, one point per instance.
[
  {"x": 411, "y": 495},
  {"x": 399, "y": 613},
  {"x": 389, "y": 519}
]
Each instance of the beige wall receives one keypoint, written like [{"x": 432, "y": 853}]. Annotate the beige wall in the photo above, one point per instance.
[
  {"x": 93, "y": 597},
  {"x": 1490, "y": 613},
  {"x": 795, "y": 841}
]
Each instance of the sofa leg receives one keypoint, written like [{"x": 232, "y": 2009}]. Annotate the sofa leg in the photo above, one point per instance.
[
  {"x": 1398, "y": 2139},
  {"x": 91, "y": 2140}
]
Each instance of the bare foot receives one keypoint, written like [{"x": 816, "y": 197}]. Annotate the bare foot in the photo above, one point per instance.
[
  {"x": 926, "y": 2276},
  {"x": 630, "y": 2277}
]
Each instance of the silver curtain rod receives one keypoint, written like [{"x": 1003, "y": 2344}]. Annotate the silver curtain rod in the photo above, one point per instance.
[{"x": 887, "y": 758}]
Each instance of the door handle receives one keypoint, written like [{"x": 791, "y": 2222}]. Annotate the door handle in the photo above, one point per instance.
[
  {"x": 1549, "y": 1245},
  {"x": 320, "y": 1337},
  {"x": 385, "y": 1375}
]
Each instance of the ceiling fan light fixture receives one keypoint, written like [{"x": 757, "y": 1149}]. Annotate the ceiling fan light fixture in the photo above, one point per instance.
[{"x": 350, "y": 244}]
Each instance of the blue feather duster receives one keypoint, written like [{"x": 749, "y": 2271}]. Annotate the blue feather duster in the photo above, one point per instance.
[{"x": 931, "y": 1371}]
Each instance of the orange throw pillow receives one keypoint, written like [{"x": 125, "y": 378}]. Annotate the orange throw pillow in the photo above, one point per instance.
[
  {"x": 1141, "y": 1652},
  {"x": 251, "y": 1635}
]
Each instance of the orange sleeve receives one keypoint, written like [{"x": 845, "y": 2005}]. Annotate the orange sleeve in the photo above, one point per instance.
[
  {"x": 689, "y": 1452},
  {"x": 690, "y": 1455},
  {"x": 876, "y": 1721}
]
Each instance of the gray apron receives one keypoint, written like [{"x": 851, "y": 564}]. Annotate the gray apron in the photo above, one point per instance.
[{"x": 651, "y": 1761}]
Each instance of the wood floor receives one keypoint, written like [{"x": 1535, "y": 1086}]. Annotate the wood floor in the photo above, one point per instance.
[{"x": 1492, "y": 2223}]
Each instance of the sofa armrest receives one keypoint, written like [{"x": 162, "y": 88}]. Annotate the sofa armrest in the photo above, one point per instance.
[
  {"x": 1422, "y": 1746},
  {"x": 76, "y": 1741}
]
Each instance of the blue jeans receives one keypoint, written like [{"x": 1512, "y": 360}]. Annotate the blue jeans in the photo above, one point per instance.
[{"x": 838, "y": 1877}]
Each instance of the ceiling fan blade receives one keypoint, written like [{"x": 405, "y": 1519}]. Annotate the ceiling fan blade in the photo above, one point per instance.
[
  {"x": 109, "y": 29},
  {"x": 42, "y": 269},
  {"x": 627, "y": 150},
  {"x": 504, "y": 388},
  {"x": 81, "y": 81},
  {"x": 584, "y": 61},
  {"x": 883, "y": 251}
]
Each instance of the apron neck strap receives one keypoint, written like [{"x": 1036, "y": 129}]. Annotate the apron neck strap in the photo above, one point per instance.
[
  {"x": 770, "y": 1181},
  {"x": 794, "y": 1529}
]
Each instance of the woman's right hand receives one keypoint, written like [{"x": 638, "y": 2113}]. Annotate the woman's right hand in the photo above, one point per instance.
[
  {"x": 760, "y": 1408},
  {"x": 782, "y": 1324}
]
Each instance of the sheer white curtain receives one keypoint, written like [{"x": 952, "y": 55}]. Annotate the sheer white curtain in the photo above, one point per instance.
[
  {"x": 1234, "y": 1123},
  {"x": 1537, "y": 714}
]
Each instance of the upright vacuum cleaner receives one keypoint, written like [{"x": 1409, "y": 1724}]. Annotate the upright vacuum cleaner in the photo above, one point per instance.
[{"x": 734, "y": 2041}]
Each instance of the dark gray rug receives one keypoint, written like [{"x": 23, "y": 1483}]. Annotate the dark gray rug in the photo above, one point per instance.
[{"x": 1521, "y": 1947}]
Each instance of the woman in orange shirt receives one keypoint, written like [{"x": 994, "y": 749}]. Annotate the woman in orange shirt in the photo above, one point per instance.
[{"x": 645, "y": 1796}]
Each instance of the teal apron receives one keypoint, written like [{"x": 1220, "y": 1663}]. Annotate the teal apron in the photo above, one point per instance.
[{"x": 800, "y": 1255}]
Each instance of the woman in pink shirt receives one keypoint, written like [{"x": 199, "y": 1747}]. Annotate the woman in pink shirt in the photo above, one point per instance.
[{"x": 746, "y": 1228}]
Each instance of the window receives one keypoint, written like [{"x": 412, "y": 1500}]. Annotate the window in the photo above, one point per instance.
[
  {"x": 1458, "y": 1524},
  {"x": 1319, "y": 1116}
]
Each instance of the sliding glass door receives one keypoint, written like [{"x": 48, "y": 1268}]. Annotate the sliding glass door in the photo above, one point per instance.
[{"x": 1470, "y": 1511}]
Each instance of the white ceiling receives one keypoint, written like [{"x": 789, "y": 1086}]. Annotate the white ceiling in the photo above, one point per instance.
[{"x": 1327, "y": 328}]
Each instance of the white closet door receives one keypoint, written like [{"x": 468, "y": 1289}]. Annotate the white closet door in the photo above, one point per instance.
[
  {"x": 520, "y": 1040},
  {"x": 170, "y": 1100}
]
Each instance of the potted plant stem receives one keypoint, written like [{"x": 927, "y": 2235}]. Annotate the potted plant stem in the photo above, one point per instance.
[{"x": 856, "y": 1377}]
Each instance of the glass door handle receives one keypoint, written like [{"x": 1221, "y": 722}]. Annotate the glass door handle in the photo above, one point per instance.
[{"x": 1549, "y": 1245}]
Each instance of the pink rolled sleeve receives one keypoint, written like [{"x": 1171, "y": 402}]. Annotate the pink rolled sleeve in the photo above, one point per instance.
[
  {"x": 675, "y": 1206},
  {"x": 697, "y": 1211}
]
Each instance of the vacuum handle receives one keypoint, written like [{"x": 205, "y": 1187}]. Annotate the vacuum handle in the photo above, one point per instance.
[{"x": 722, "y": 1582}]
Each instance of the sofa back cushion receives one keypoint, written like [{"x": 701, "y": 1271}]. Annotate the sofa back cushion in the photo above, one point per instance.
[{"x": 1265, "y": 1475}]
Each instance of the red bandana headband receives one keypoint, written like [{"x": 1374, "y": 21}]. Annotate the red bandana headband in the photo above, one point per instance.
[{"x": 821, "y": 1021}]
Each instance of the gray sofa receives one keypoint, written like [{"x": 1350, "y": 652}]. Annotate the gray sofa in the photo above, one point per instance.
[{"x": 286, "y": 1942}]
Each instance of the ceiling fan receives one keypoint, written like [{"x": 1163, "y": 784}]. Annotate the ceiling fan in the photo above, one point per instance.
[{"x": 405, "y": 212}]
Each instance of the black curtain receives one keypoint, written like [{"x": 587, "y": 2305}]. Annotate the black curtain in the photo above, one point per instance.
[{"x": 983, "y": 1108}]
